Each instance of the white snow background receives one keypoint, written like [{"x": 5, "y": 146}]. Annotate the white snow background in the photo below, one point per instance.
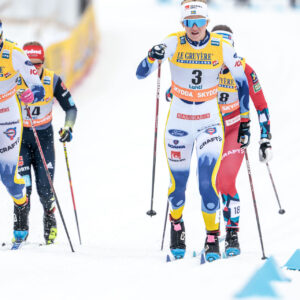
[{"x": 111, "y": 166}]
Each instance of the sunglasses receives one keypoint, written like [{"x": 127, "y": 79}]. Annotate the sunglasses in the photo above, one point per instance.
[{"x": 191, "y": 22}]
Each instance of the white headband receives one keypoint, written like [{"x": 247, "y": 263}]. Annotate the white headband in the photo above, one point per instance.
[
  {"x": 194, "y": 9},
  {"x": 228, "y": 36}
]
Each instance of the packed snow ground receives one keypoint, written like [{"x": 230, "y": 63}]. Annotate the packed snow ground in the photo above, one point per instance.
[{"x": 111, "y": 166}]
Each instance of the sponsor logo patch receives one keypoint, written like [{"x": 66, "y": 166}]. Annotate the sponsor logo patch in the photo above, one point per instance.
[
  {"x": 176, "y": 132},
  {"x": 11, "y": 133},
  {"x": 21, "y": 162},
  {"x": 254, "y": 77},
  {"x": 215, "y": 42},
  {"x": 175, "y": 154},
  {"x": 213, "y": 139},
  {"x": 192, "y": 117},
  {"x": 3, "y": 110},
  {"x": 28, "y": 63},
  {"x": 5, "y": 54},
  {"x": 257, "y": 87},
  {"x": 47, "y": 80},
  {"x": 211, "y": 130}
]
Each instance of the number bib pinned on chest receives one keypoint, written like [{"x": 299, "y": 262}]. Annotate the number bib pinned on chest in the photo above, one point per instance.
[
  {"x": 195, "y": 71},
  {"x": 228, "y": 97},
  {"x": 41, "y": 111}
]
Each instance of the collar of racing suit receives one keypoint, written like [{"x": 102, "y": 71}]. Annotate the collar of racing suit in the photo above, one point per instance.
[{"x": 201, "y": 43}]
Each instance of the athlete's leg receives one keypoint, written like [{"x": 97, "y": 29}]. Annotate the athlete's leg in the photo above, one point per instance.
[
  {"x": 10, "y": 140},
  {"x": 209, "y": 152},
  {"x": 26, "y": 160},
  {"x": 42, "y": 182},
  {"x": 231, "y": 162},
  {"x": 179, "y": 143},
  {"x": 43, "y": 187}
]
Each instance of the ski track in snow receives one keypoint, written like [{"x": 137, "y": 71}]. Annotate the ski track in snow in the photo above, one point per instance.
[{"x": 111, "y": 166}]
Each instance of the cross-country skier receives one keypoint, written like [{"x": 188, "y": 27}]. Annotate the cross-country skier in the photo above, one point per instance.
[
  {"x": 14, "y": 62},
  {"x": 41, "y": 113},
  {"x": 232, "y": 153},
  {"x": 196, "y": 57}
]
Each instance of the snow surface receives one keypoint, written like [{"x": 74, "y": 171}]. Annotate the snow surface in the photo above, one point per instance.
[{"x": 111, "y": 165}]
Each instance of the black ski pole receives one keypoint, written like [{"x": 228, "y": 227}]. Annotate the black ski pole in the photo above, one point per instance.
[
  {"x": 165, "y": 225},
  {"x": 152, "y": 212},
  {"x": 254, "y": 204},
  {"x": 72, "y": 193},
  {"x": 281, "y": 211},
  {"x": 48, "y": 175}
]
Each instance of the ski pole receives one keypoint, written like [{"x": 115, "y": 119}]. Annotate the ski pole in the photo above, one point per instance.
[
  {"x": 48, "y": 174},
  {"x": 254, "y": 204},
  {"x": 281, "y": 211},
  {"x": 72, "y": 193},
  {"x": 152, "y": 212},
  {"x": 165, "y": 225}
]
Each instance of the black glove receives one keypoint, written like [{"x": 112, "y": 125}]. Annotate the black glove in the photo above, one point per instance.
[
  {"x": 157, "y": 52},
  {"x": 244, "y": 134},
  {"x": 265, "y": 150},
  {"x": 65, "y": 134}
]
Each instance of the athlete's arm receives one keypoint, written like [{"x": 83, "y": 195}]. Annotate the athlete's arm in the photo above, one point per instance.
[
  {"x": 236, "y": 69},
  {"x": 259, "y": 101},
  {"x": 64, "y": 98},
  {"x": 147, "y": 66},
  {"x": 22, "y": 64}
]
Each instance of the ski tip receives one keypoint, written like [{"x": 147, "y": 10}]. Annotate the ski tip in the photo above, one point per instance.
[
  {"x": 168, "y": 259},
  {"x": 194, "y": 254},
  {"x": 202, "y": 260}
]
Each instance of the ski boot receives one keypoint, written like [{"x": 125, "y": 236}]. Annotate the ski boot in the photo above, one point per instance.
[
  {"x": 50, "y": 228},
  {"x": 232, "y": 246},
  {"x": 21, "y": 213},
  {"x": 211, "y": 247},
  {"x": 177, "y": 243}
]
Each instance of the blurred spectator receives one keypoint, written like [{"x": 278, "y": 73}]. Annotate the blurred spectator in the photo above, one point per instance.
[
  {"x": 83, "y": 5},
  {"x": 293, "y": 3}
]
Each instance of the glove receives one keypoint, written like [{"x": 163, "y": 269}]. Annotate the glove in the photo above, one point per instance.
[
  {"x": 157, "y": 52},
  {"x": 65, "y": 134},
  {"x": 27, "y": 96},
  {"x": 169, "y": 95},
  {"x": 265, "y": 150},
  {"x": 244, "y": 134}
]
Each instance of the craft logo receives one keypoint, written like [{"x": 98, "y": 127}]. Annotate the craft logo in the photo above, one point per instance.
[
  {"x": 175, "y": 154},
  {"x": 211, "y": 131},
  {"x": 11, "y": 133}
]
